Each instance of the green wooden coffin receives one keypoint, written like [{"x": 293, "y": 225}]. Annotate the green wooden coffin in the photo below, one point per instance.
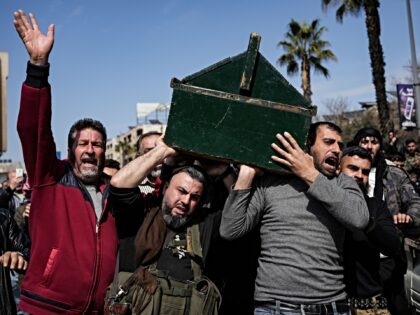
[{"x": 232, "y": 110}]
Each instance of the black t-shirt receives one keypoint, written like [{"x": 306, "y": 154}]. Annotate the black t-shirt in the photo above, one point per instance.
[
  {"x": 174, "y": 258},
  {"x": 362, "y": 250}
]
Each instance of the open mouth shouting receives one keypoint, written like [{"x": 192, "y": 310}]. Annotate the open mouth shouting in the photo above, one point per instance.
[
  {"x": 89, "y": 162},
  {"x": 331, "y": 163}
]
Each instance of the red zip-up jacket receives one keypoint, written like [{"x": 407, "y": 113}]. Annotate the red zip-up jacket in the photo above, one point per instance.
[{"x": 72, "y": 258}]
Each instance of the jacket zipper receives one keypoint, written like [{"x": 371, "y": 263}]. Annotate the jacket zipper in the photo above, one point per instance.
[
  {"x": 95, "y": 274},
  {"x": 97, "y": 254}
]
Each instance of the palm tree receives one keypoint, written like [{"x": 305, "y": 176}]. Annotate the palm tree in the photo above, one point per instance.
[
  {"x": 126, "y": 149},
  {"x": 373, "y": 26},
  {"x": 303, "y": 43}
]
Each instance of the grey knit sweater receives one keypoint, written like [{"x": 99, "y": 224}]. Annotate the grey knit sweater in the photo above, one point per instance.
[{"x": 302, "y": 233}]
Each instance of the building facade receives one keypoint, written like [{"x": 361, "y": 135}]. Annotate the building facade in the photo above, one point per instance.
[{"x": 123, "y": 148}]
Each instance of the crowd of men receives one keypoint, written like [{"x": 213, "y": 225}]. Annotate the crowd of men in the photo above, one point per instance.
[{"x": 171, "y": 234}]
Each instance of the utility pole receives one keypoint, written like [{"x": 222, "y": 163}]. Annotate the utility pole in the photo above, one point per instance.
[
  {"x": 4, "y": 73},
  {"x": 416, "y": 81}
]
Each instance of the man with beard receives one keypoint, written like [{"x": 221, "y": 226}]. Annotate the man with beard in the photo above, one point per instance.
[
  {"x": 147, "y": 142},
  {"x": 173, "y": 240},
  {"x": 391, "y": 184},
  {"x": 73, "y": 234},
  {"x": 302, "y": 219},
  {"x": 412, "y": 162},
  {"x": 127, "y": 232},
  {"x": 362, "y": 248},
  {"x": 388, "y": 182}
]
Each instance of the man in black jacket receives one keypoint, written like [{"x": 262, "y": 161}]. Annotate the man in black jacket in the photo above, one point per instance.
[
  {"x": 362, "y": 248},
  {"x": 174, "y": 238},
  {"x": 15, "y": 247},
  {"x": 12, "y": 196},
  {"x": 391, "y": 184}
]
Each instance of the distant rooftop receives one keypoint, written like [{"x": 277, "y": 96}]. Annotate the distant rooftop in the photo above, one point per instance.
[{"x": 152, "y": 113}]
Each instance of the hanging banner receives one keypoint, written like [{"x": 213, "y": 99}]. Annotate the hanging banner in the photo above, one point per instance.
[{"x": 406, "y": 105}]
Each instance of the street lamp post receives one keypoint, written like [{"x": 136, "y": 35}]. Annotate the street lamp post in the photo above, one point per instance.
[{"x": 416, "y": 82}]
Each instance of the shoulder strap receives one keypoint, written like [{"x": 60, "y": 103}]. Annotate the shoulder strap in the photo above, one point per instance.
[
  {"x": 114, "y": 284},
  {"x": 195, "y": 250}
]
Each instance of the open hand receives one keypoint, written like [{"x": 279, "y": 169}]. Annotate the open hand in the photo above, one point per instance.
[
  {"x": 299, "y": 162},
  {"x": 37, "y": 44}
]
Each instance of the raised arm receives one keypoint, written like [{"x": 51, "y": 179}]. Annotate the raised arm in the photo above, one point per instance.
[
  {"x": 34, "y": 120},
  {"x": 298, "y": 161},
  {"x": 37, "y": 44},
  {"x": 132, "y": 174},
  {"x": 243, "y": 208},
  {"x": 340, "y": 196},
  {"x": 245, "y": 177}
]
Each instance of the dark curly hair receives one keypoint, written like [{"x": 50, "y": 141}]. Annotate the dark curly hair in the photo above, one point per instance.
[{"x": 85, "y": 123}]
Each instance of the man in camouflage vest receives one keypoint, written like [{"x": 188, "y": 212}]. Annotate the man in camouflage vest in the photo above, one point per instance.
[{"x": 412, "y": 161}]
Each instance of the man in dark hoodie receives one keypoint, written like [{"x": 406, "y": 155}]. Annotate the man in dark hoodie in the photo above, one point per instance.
[
  {"x": 362, "y": 248},
  {"x": 391, "y": 184},
  {"x": 388, "y": 181}
]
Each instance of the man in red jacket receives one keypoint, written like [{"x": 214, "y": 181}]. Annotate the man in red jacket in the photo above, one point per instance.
[{"x": 73, "y": 233}]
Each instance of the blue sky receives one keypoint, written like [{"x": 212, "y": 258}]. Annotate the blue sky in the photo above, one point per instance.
[{"x": 109, "y": 55}]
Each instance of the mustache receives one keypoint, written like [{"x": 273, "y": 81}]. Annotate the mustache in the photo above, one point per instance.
[
  {"x": 174, "y": 222},
  {"x": 180, "y": 204}
]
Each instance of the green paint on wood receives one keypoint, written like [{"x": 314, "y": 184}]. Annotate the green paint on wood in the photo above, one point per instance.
[
  {"x": 239, "y": 129},
  {"x": 250, "y": 63}
]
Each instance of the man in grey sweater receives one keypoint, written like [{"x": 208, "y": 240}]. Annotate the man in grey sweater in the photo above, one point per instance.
[{"x": 302, "y": 220}]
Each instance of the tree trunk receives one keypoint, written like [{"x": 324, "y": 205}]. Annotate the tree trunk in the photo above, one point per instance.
[
  {"x": 377, "y": 63},
  {"x": 306, "y": 78}
]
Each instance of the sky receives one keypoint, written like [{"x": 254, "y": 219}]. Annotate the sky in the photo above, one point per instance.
[{"x": 109, "y": 55}]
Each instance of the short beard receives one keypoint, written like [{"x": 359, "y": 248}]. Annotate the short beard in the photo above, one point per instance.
[
  {"x": 327, "y": 174},
  {"x": 89, "y": 176},
  {"x": 174, "y": 222}
]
